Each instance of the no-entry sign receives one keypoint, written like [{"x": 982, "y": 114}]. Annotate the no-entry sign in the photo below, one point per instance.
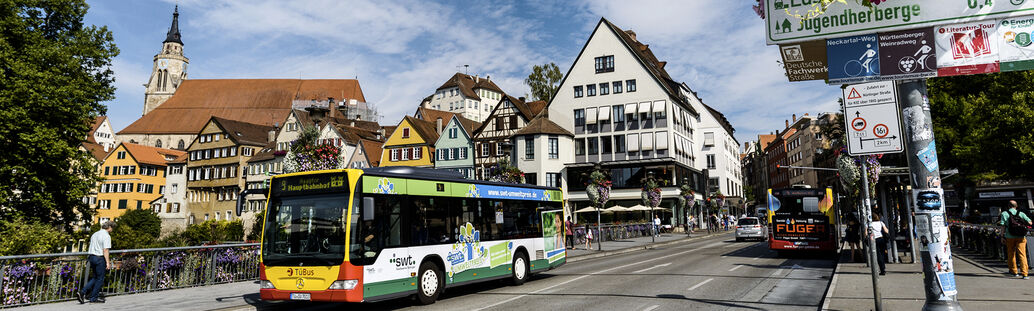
[{"x": 871, "y": 113}]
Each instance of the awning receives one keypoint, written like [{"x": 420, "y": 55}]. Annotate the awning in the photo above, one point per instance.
[
  {"x": 644, "y": 107},
  {"x": 658, "y": 106},
  {"x": 639, "y": 207},
  {"x": 590, "y": 116},
  {"x": 604, "y": 113},
  {"x": 630, "y": 108},
  {"x": 617, "y": 208},
  {"x": 590, "y": 209},
  {"x": 647, "y": 141},
  {"x": 662, "y": 209},
  {"x": 632, "y": 142},
  {"x": 662, "y": 140}
]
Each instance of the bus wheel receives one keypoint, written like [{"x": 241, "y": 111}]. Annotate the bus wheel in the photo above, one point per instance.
[
  {"x": 520, "y": 268},
  {"x": 429, "y": 283}
]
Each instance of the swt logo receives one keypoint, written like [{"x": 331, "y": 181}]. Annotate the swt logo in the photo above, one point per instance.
[{"x": 403, "y": 262}]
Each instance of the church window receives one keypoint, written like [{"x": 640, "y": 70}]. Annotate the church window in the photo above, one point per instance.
[
  {"x": 180, "y": 145},
  {"x": 158, "y": 143}
]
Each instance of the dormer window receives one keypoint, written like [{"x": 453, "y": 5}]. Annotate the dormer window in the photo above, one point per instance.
[{"x": 605, "y": 64}]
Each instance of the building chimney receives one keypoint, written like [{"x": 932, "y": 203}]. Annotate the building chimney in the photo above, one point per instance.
[
  {"x": 438, "y": 125},
  {"x": 795, "y": 118},
  {"x": 521, "y": 99},
  {"x": 631, "y": 34},
  {"x": 787, "y": 123},
  {"x": 661, "y": 64},
  {"x": 477, "y": 79},
  {"x": 805, "y": 114},
  {"x": 359, "y": 117},
  {"x": 272, "y": 132}
]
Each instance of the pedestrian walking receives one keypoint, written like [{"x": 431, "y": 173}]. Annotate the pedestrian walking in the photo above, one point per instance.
[
  {"x": 656, "y": 225},
  {"x": 692, "y": 221},
  {"x": 853, "y": 236},
  {"x": 100, "y": 262},
  {"x": 588, "y": 238},
  {"x": 569, "y": 233},
  {"x": 1015, "y": 239},
  {"x": 878, "y": 230}
]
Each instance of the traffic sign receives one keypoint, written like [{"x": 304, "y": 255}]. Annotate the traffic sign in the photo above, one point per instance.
[{"x": 872, "y": 103}]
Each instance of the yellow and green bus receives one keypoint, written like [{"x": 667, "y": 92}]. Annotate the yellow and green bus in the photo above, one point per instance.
[{"x": 374, "y": 234}]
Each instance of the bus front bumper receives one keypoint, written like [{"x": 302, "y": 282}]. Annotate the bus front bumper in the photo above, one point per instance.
[{"x": 325, "y": 295}]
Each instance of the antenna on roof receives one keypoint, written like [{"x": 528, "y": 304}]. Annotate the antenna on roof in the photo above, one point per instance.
[{"x": 465, "y": 67}]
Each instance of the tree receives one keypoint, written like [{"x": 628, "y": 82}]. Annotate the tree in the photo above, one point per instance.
[
  {"x": 543, "y": 81},
  {"x": 54, "y": 74},
  {"x": 256, "y": 227},
  {"x": 137, "y": 228},
  {"x": 984, "y": 124},
  {"x": 30, "y": 237}
]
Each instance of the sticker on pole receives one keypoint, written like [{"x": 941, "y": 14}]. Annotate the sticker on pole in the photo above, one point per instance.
[{"x": 871, "y": 113}]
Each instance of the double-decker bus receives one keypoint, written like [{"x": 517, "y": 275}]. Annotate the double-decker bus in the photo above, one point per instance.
[
  {"x": 375, "y": 234},
  {"x": 801, "y": 219}
]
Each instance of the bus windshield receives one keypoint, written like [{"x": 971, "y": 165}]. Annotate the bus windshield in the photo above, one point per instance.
[{"x": 305, "y": 230}]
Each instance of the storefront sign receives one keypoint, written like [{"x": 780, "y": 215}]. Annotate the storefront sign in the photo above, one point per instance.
[
  {"x": 996, "y": 194},
  {"x": 805, "y": 61},
  {"x": 788, "y": 21},
  {"x": 968, "y": 48}
]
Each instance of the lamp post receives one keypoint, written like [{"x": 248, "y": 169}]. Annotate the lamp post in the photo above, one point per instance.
[
  {"x": 650, "y": 181},
  {"x": 596, "y": 199}
]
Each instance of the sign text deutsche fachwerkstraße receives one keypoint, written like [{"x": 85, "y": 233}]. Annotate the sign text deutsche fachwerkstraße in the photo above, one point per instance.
[{"x": 784, "y": 23}]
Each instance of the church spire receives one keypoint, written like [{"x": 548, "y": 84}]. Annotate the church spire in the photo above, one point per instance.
[{"x": 174, "y": 31}]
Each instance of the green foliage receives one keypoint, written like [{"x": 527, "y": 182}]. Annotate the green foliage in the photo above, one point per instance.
[
  {"x": 54, "y": 74},
  {"x": 138, "y": 228},
  {"x": 504, "y": 172},
  {"x": 174, "y": 239},
  {"x": 256, "y": 227},
  {"x": 543, "y": 81},
  {"x": 214, "y": 232},
  {"x": 30, "y": 237},
  {"x": 984, "y": 124}
]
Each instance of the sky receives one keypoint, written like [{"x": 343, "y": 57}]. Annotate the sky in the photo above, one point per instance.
[{"x": 401, "y": 51}]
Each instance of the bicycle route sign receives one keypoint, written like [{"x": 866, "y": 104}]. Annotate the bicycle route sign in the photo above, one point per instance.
[
  {"x": 871, "y": 113},
  {"x": 853, "y": 59}
]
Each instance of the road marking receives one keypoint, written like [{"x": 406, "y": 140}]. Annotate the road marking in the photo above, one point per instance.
[
  {"x": 651, "y": 307},
  {"x": 755, "y": 258},
  {"x": 714, "y": 244},
  {"x": 657, "y": 266},
  {"x": 582, "y": 277},
  {"x": 734, "y": 268},
  {"x": 732, "y": 245},
  {"x": 701, "y": 284}
]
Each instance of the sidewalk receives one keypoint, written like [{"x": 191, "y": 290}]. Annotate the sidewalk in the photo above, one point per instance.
[
  {"x": 241, "y": 294},
  {"x": 982, "y": 285}
]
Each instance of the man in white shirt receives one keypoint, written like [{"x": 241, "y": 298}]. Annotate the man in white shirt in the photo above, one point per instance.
[
  {"x": 100, "y": 262},
  {"x": 656, "y": 225}
]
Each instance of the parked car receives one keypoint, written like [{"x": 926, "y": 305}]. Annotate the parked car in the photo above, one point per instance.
[{"x": 750, "y": 228}]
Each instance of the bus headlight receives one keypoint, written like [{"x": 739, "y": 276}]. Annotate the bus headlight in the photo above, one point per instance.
[
  {"x": 344, "y": 284},
  {"x": 266, "y": 284}
]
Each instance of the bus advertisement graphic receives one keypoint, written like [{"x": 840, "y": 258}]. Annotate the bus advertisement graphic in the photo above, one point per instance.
[
  {"x": 553, "y": 234},
  {"x": 467, "y": 252}
]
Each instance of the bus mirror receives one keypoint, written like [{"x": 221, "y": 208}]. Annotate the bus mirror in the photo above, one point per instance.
[{"x": 367, "y": 208}]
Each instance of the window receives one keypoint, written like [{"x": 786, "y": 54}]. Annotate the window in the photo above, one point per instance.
[
  {"x": 630, "y": 85},
  {"x": 405, "y": 154},
  {"x": 618, "y": 115},
  {"x": 122, "y": 204},
  {"x": 246, "y": 151},
  {"x": 463, "y": 153},
  {"x": 604, "y": 88},
  {"x": 175, "y": 188},
  {"x": 578, "y": 91},
  {"x": 158, "y": 143},
  {"x": 441, "y": 154},
  {"x": 513, "y": 122},
  {"x": 552, "y": 180},
  {"x": 590, "y": 90},
  {"x": 418, "y": 152},
  {"x": 554, "y": 147},
  {"x": 498, "y": 149},
  {"x": 606, "y": 145},
  {"x": 529, "y": 147},
  {"x": 708, "y": 139},
  {"x": 605, "y": 64},
  {"x": 619, "y": 144},
  {"x": 394, "y": 155},
  {"x": 121, "y": 155},
  {"x": 579, "y": 117},
  {"x": 579, "y": 146},
  {"x": 180, "y": 145},
  {"x": 617, "y": 87},
  {"x": 710, "y": 161},
  {"x": 405, "y": 133},
  {"x": 484, "y": 150},
  {"x": 454, "y": 132},
  {"x": 594, "y": 146}
]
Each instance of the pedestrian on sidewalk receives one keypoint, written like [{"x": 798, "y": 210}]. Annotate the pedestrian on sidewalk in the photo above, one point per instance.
[
  {"x": 588, "y": 238},
  {"x": 692, "y": 221},
  {"x": 656, "y": 225},
  {"x": 569, "y": 233},
  {"x": 1015, "y": 239},
  {"x": 100, "y": 262},
  {"x": 878, "y": 230},
  {"x": 853, "y": 236}
]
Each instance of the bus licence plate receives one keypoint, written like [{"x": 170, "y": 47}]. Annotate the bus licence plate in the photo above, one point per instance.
[{"x": 301, "y": 296}]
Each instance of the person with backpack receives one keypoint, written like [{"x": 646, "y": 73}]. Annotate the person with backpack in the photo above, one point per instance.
[{"x": 1015, "y": 224}]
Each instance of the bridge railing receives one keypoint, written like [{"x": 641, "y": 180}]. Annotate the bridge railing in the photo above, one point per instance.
[{"x": 33, "y": 279}]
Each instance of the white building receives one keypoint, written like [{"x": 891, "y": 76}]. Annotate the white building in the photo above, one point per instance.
[
  {"x": 101, "y": 134},
  {"x": 719, "y": 152},
  {"x": 172, "y": 205},
  {"x": 630, "y": 116},
  {"x": 541, "y": 149},
  {"x": 471, "y": 96}
]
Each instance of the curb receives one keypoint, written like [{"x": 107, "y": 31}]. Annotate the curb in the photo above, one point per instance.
[
  {"x": 637, "y": 248},
  {"x": 832, "y": 281}
]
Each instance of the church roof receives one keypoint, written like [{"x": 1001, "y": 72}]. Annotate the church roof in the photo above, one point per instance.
[
  {"x": 258, "y": 101},
  {"x": 174, "y": 30}
]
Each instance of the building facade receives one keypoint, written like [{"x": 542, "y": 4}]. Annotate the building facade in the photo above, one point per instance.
[
  {"x": 215, "y": 166},
  {"x": 134, "y": 176},
  {"x": 453, "y": 150},
  {"x": 411, "y": 144},
  {"x": 492, "y": 138},
  {"x": 541, "y": 150},
  {"x": 631, "y": 117},
  {"x": 172, "y": 205},
  {"x": 719, "y": 154},
  {"x": 472, "y": 97}
]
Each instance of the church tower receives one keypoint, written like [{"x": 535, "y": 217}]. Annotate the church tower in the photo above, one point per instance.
[{"x": 170, "y": 68}]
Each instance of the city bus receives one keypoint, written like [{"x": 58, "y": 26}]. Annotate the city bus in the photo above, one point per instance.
[
  {"x": 374, "y": 234},
  {"x": 801, "y": 219}
]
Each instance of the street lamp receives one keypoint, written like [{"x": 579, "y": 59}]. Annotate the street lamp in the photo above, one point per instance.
[{"x": 592, "y": 191}]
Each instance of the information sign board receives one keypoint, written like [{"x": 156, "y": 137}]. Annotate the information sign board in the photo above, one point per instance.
[
  {"x": 853, "y": 59},
  {"x": 908, "y": 54},
  {"x": 968, "y": 48},
  {"x": 871, "y": 114}
]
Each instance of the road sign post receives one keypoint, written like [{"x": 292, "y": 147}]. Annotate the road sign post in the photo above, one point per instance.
[
  {"x": 927, "y": 195},
  {"x": 871, "y": 113}
]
